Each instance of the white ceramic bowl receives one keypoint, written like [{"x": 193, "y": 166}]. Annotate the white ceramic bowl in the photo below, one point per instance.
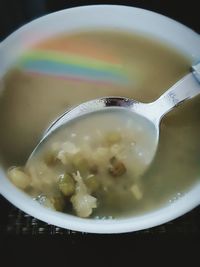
[{"x": 92, "y": 17}]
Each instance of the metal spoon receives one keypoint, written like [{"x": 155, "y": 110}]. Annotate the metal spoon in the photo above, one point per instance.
[{"x": 186, "y": 88}]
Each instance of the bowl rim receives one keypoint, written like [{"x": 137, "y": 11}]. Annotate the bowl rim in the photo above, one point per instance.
[{"x": 170, "y": 211}]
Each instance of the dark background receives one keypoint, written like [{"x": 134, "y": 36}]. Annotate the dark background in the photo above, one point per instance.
[
  {"x": 14, "y": 13},
  {"x": 24, "y": 239}
]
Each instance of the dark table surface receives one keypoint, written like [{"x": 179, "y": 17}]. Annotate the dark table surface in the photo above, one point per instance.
[
  {"x": 15, "y": 222},
  {"x": 16, "y": 225}
]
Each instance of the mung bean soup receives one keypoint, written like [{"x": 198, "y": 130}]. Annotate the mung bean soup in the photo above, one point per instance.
[{"x": 70, "y": 69}]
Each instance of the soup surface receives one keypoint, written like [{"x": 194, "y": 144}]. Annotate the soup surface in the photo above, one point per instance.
[{"x": 58, "y": 73}]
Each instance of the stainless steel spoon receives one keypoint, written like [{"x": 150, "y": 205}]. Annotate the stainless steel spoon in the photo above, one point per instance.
[{"x": 186, "y": 88}]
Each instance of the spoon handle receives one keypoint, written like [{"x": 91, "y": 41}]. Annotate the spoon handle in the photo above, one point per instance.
[{"x": 186, "y": 88}]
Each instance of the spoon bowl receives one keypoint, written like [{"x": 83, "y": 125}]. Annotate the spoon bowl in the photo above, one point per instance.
[{"x": 145, "y": 115}]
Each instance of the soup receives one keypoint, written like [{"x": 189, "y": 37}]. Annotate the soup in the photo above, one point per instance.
[
  {"x": 91, "y": 162},
  {"x": 66, "y": 70}
]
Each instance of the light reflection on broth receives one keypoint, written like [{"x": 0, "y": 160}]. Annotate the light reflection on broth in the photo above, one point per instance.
[{"x": 32, "y": 99}]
